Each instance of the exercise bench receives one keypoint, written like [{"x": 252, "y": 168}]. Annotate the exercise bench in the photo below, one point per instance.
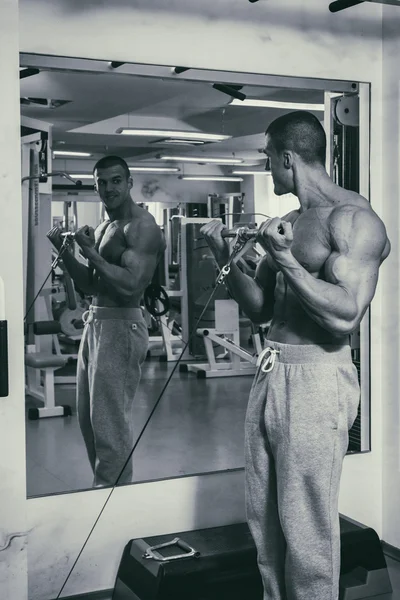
[{"x": 40, "y": 367}]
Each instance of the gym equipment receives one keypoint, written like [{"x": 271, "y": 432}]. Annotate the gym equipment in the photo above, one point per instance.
[
  {"x": 227, "y": 335},
  {"x": 220, "y": 563},
  {"x": 182, "y": 229},
  {"x": 43, "y": 354},
  {"x": 244, "y": 233},
  {"x": 215, "y": 564},
  {"x": 227, "y": 207},
  {"x": 363, "y": 571},
  {"x": 40, "y": 367},
  {"x": 197, "y": 277},
  {"x": 226, "y": 332}
]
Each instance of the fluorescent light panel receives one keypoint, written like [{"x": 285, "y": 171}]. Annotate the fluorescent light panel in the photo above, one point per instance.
[
  {"x": 133, "y": 169},
  {"x": 184, "y": 135},
  {"x": 155, "y": 169},
  {"x": 251, "y": 172},
  {"x": 209, "y": 178},
  {"x": 205, "y": 159},
  {"x": 276, "y": 104},
  {"x": 81, "y": 176},
  {"x": 183, "y": 142},
  {"x": 68, "y": 153}
]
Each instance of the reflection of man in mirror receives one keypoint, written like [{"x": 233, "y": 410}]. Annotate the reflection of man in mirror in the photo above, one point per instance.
[
  {"x": 122, "y": 256},
  {"x": 315, "y": 282}
]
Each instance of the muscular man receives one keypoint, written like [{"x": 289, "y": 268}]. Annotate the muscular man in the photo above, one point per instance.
[
  {"x": 315, "y": 282},
  {"x": 122, "y": 256}
]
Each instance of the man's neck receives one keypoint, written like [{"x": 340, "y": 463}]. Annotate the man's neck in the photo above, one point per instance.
[
  {"x": 123, "y": 212},
  {"x": 313, "y": 188}
]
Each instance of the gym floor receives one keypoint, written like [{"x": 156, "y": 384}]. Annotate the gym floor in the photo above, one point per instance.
[{"x": 197, "y": 428}]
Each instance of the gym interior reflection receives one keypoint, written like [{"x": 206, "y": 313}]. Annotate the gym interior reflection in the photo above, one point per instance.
[{"x": 82, "y": 106}]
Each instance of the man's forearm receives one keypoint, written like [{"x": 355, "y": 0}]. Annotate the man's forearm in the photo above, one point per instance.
[
  {"x": 79, "y": 273},
  {"x": 247, "y": 293},
  {"x": 113, "y": 275},
  {"x": 329, "y": 305}
]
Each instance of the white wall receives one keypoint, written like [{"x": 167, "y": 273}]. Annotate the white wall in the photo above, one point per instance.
[
  {"x": 391, "y": 292},
  {"x": 134, "y": 511},
  {"x": 290, "y": 37},
  {"x": 13, "y": 580}
]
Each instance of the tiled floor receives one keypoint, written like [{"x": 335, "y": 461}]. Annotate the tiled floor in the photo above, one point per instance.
[{"x": 197, "y": 428}]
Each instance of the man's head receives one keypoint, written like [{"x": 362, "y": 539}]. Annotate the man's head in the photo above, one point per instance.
[
  {"x": 113, "y": 181},
  {"x": 296, "y": 139}
]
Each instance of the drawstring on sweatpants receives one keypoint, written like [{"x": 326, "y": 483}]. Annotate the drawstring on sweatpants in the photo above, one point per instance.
[
  {"x": 87, "y": 316},
  {"x": 269, "y": 363}
]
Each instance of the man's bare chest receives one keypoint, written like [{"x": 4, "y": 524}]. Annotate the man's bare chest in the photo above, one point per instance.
[
  {"x": 110, "y": 241},
  {"x": 311, "y": 241}
]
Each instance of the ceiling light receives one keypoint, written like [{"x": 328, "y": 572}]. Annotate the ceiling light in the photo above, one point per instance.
[
  {"x": 276, "y": 104},
  {"x": 204, "y": 159},
  {"x": 251, "y": 172},
  {"x": 184, "y": 142},
  {"x": 209, "y": 178},
  {"x": 81, "y": 176},
  {"x": 68, "y": 153},
  {"x": 155, "y": 169},
  {"x": 185, "y": 135}
]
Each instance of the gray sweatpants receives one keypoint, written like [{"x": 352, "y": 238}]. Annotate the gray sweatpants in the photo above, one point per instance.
[
  {"x": 113, "y": 348},
  {"x": 303, "y": 401}
]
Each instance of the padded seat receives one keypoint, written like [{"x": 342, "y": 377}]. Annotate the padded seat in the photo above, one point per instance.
[{"x": 41, "y": 360}]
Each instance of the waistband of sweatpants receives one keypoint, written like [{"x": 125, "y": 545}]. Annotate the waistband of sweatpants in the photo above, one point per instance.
[
  {"x": 310, "y": 353},
  {"x": 111, "y": 312}
]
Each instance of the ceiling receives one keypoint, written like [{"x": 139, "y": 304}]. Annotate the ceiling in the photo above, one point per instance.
[{"x": 96, "y": 103}]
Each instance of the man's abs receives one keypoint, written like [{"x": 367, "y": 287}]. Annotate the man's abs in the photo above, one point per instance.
[
  {"x": 106, "y": 296},
  {"x": 292, "y": 325}
]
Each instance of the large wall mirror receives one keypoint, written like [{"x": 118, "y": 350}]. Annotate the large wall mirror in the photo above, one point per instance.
[{"x": 193, "y": 143}]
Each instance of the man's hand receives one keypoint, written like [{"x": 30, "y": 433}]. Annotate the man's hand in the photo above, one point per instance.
[
  {"x": 276, "y": 236},
  {"x": 84, "y": 237},
  {"x": 218, "y": 245},
  {"x": 54, "y": 235}
]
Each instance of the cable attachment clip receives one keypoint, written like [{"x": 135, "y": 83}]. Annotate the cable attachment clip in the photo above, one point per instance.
[{"x": 239, "y": 244}]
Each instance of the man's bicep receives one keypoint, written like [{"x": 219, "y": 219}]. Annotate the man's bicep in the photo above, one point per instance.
[
  {"x": 358, "y": 278},
  {"x": 140, "y": 263},
  {"x": 355, "y": 264}
]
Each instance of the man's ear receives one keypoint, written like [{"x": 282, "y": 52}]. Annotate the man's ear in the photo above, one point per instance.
[
  {"x": 130, "y": 183},
  {"x": 287, "y": 159}
]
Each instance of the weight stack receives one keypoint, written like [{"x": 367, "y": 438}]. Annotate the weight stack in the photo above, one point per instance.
[{"x": 226, "y": 566}]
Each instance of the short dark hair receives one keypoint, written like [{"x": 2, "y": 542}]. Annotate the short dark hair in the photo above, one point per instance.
[
  {"x": 112, "y": 161},
  {"x": 301, "y": 132}
]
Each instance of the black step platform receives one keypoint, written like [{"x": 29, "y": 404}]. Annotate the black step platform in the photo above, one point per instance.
[{"x": 225, "y": 566}]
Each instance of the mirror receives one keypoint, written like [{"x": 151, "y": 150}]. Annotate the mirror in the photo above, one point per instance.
[{"x": 193, "y": 147}]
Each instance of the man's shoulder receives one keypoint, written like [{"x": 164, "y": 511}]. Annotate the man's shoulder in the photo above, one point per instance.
[
  {"x": 355, "y": 212},
  {"x": 142, "y": 221},
  {"x": 356, "y": 222},
  {"x": 143, "y": 227}
]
